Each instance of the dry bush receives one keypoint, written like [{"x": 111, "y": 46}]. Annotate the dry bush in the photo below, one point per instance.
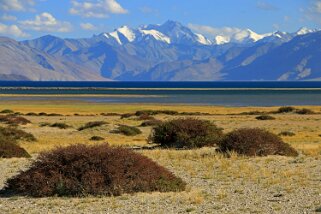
[
  {"x": 127, "y": 130},
  {"x": 10, "y": 149},
  {"x": 81, "y": 170},
  {"x": 60, "y": 125},
  {"x": 304, "y": 111},
  {"x": 127, "y": 115},
  {"x": 287, "y": 133},
  {"x": 155, "y": 112},
  {"x": 14, "y": 120},
  {"x": 151, "y": 123},
  {"x": 285, "y": 109},
  {"x": 186, "y": 133},
  {"x": 255, "y": 142},
  {"x": 96, "y": 138},
  {"x": 7, "y": 111},
  {"x": 31, "y": 114},
  {"x": 265, "y": 117},
  {"x": 93, "y": 124},
  {"x": 16, "y": 134},
  {"x": 145, "y": 117},
  {"x": 110, "y": 114}
]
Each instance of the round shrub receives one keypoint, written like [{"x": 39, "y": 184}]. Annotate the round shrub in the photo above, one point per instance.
[
  {"x": 60, "y": 125},
  {"x": 255, "y": 142},
  {"x": 10, "y": 149},
  {"x": 265, "y": 117},
  {"x": 81, "y": 170},
  {"x": 14, "y": 120},
  {"x": 6, "y": 111},
  {"x": 186, "y": 133}
]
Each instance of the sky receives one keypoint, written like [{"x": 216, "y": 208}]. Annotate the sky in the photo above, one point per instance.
[{"x": 27, "y": 19}]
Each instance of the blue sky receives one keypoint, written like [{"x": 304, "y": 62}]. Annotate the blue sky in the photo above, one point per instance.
[{"x": 26, "y": 19}]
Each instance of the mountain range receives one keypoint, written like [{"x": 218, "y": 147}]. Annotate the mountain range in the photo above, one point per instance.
[{"x": 167, "y": 52}]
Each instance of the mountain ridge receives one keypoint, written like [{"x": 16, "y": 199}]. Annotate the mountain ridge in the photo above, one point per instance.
[{"x": 167, "y": 52}]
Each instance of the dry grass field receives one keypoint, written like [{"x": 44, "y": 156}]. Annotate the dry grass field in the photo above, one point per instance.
[{"x": 216, "y": 184}]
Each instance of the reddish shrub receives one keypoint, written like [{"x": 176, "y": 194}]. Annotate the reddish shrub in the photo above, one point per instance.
[
  {"x": 9, "y": 149},
  {"x": 81, "y": 170},
  {"x": 255, "y": 142},
  {"x": 186, "y": 133}
]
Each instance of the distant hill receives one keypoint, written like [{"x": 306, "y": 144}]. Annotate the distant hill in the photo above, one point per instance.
[{"x": 167, "y": 52}]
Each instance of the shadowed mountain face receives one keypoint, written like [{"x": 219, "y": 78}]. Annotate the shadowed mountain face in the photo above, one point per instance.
[{"x": 168, "y": 52}]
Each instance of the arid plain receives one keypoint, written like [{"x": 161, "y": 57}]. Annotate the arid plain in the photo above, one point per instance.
[{"x": 216, "y": 184}]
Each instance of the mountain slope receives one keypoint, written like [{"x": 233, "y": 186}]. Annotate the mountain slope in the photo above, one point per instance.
[{"x": 298, "y": 59}]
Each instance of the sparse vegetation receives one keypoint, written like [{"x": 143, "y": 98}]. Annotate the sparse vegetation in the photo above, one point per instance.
[
  {"x": 186, "y": 133},
  {"x": 265, "y": 117},
  {"x": 81, "y": 170},
  {"x": 127, "y": 130},
  {"x": 255, "y": 142},
  {"x": 91, "y": 125}
]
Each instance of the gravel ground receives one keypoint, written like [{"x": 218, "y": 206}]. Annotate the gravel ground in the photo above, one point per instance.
[{"x": 299, "y": 191}]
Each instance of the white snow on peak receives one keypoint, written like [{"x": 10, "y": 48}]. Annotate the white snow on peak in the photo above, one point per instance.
[
  {"x": 128, "y": 33},
  {"x": 304, "y": 30},
  {"x": 202, "y": 39},
  {"x": 115, "y": 36},
  {"x": 220, "y": 40},
  {"x": 106, "y": 35},
  {"x": 157, "y": 35}
]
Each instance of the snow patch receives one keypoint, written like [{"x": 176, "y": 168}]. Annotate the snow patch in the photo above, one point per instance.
[
  {"x": 157, "y": 35},
  {"x": 128, "y": 33}
]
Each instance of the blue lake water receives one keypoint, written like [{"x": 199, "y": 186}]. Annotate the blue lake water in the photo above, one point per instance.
[{"x": 194, "y": 93}]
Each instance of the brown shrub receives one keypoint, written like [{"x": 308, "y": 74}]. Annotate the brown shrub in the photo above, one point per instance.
[
  {"x": 81, "y": 170},
  {"x": 16, "y": 134},
  {"x": 60, "y": 125},
  {"x": 265, "y": 117},
  {"x": 304, "y": 111},
  {"x": 7, "y": 111},
  {"x": 145, "y": 117},
  {"x": 186, "y": 133},
  {"x": 287, "y": 133},
  {"x": 96, "y": 138},
  {"x": 10, "y": 149},
  {"x": 255, "y": 142},
  {"x": 127, "y": 115},
  {"x": 151, "y": 123},
  {"x": 93, "y": 124},
  {"x": 13, "y": 120},
  {"x": 285, "y": 109}
]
